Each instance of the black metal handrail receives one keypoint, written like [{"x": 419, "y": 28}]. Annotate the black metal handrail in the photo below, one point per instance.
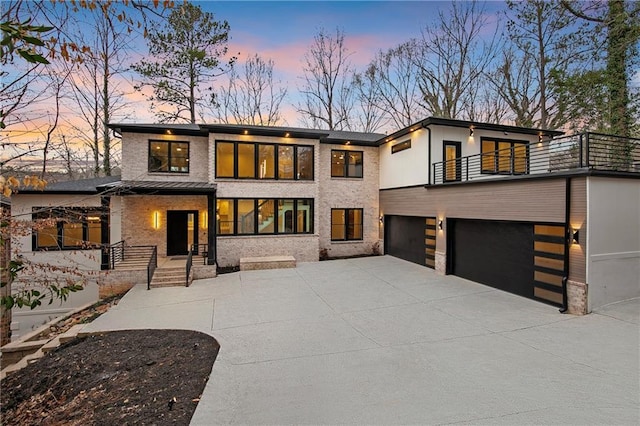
[
  {"x": 588, "y": 150},
  {"x": 116, "y": 253},
  {"x": 202, "y": 249},
  {"x": 189, "y": 264},
  {"x": 151, "y": 266}
]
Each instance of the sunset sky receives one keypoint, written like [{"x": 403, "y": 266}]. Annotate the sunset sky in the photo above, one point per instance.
[{"x": 283, "y": 31}]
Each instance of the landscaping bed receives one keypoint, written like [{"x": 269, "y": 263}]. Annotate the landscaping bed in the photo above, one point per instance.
[{"x": 132, "y": 377}]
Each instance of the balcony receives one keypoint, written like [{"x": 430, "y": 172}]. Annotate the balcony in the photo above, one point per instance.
[{"x": 590, "y": 151}]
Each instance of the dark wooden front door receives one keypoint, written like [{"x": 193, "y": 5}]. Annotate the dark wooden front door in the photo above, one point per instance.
[{"x": 182, "y": 231}]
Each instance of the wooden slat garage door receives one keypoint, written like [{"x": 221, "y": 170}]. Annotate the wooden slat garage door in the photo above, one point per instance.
[
  {"x": 404, "y": 237},
  {"x": 498, "y": 254}
]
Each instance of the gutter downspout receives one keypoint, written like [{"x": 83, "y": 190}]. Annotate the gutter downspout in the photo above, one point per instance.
[{"x": 567, "y": 244}]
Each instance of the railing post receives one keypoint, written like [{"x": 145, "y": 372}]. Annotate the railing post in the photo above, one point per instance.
[
  {"x": 587, "y": 148},
  {"x": 466, "y": 160}
]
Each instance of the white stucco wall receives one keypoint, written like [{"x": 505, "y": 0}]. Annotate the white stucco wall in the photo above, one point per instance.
[
  {"x": 408, "y": 167},
  {"x": 613, "y": 244},
  {"x": 411, "y": 166},
  {"x": 25, "y": 320}
]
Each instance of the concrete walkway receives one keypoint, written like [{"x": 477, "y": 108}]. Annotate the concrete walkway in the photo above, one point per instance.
[{"x": 383, "y": 341}]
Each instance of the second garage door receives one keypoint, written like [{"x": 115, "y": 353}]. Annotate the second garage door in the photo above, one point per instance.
[{"x": 498, "y": 254}]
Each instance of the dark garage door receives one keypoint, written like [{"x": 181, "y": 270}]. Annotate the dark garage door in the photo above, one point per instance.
[
  {"x": 404, "y": 237},
  {"x": 498, "y": 254}
]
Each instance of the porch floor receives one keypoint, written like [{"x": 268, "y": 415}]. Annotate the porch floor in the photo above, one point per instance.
[{"x": 172, "y": 262}]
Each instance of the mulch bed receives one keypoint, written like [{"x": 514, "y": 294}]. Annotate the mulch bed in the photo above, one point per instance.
[{"x": 128, "y": 377}]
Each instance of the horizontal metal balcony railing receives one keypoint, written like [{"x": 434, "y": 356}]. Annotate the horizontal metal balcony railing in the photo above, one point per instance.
[{"x": 587, "y": 150}]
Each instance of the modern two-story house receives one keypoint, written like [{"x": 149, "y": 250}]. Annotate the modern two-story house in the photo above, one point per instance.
[{"x": 529, "y": 211}]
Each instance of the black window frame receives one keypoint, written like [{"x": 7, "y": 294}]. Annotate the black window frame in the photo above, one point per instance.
[
  {"x": 345, "y": 169},
  {"x": 169, "y": 143},
  {"x": 458, "y": 162},
  {"x": 496, "y": 158},
  {"x": 347, "y": 224},
  {"x": 256, "y": 204},
  {"x": 256, "y": 156},
  {"x": 61, "y": 215},
  {"x": 401, "y": 146}
]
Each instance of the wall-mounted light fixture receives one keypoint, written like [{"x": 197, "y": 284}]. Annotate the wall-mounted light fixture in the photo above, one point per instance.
[
  {"x": 471, "y": 131},
  {"x": 540, "y": 138},
  {"x": 381, "y": 218},
  {"x": 156, "y": 220},
  {"x": 575, "y": 235},
  {"x": 440, "y": 224}
]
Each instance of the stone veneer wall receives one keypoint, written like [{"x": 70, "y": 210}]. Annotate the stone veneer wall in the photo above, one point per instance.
[
  {"x": 137, "y": 218},
  {"x": 304, "y": 248},
  {"x": 349, "y": 193},
  {"x": 136, "y": 154},
  {"x": 577, "y": 298}
]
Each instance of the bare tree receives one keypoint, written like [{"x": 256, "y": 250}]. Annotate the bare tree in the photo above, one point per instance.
[
  {"x": 452, "y": 55},
  {"x": 327, "y": 90},
  {"x": 542, "y": 41},
  {"x": 253, "y": 97},
  {"x": 96, "y": 91},
  {"x": 370, "y": 117},
  {"x": 394, "y": 73}
]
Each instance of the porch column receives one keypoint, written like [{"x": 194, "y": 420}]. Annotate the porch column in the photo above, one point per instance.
[{"x": 212, "y": 226}]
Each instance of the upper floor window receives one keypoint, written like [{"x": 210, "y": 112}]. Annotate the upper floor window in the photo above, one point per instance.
[
  {"x": 169, "y": 156},
  {"x": 346, "y": 163},
  {"x": 249, "y": 160},
  {"x": 68, "y": 228},
  {"x": 505, "y": 157},
  {"x": 401, "y": 146}
]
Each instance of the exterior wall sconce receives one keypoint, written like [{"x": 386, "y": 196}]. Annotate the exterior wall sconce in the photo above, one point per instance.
[
  {"x": 156, "y": 220},
  {"x": 575, "y": 236},
  {"x": 381, "y": 219},
  {"x": 471, "y": 131},
  {"x": 440, "y": 224}
]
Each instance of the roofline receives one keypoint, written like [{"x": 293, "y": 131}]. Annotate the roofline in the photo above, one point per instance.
[
  {"x": 437, "y": 121},
  {"x": 324, "y": 136}
]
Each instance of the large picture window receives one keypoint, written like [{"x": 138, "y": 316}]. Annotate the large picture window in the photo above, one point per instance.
[
  {"x": 346, "y": 163},
  {"x": 249, "y": 160},
  {"x": 169, "y": 156},
  {"x": 68, "y": 228},
  {"x": 505, "y": 157},
  {"x": 251, "y": 216},
  {"x": 346, "y": 224}
]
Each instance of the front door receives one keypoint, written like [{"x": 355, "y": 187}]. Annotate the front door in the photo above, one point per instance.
[{"x": 182, "y": 231}]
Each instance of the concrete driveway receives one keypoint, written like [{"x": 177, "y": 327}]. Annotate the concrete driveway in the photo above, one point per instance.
[{"x": 382, "y": 341}]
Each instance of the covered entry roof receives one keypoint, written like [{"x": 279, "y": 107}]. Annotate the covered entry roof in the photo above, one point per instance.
[{"x": 161, "y": 187}]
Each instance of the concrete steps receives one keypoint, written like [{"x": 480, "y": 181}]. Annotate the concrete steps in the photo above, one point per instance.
[{"x": 169, "y": 277}]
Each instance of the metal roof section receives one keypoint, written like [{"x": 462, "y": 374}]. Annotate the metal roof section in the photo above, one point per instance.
[
  {"x": 81, "y": 186},
  {"x": 162, "y": 187},
  {"x": 471, "y": 125}
]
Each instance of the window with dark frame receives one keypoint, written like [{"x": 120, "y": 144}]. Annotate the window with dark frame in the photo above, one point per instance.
[
  {"x": 168, "y": 156},
  {"x": 401, "y": 146},
  {"x": 504, "y": 156},
  {"x": 346, "y": 224},
  {"x": 66, "y": 229},
  {"x": 256, "y": 160},
  {"x": 264, "y": 216},
  {"x": 345, "y": 163},
  {"x": 452, "y": 151}
]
